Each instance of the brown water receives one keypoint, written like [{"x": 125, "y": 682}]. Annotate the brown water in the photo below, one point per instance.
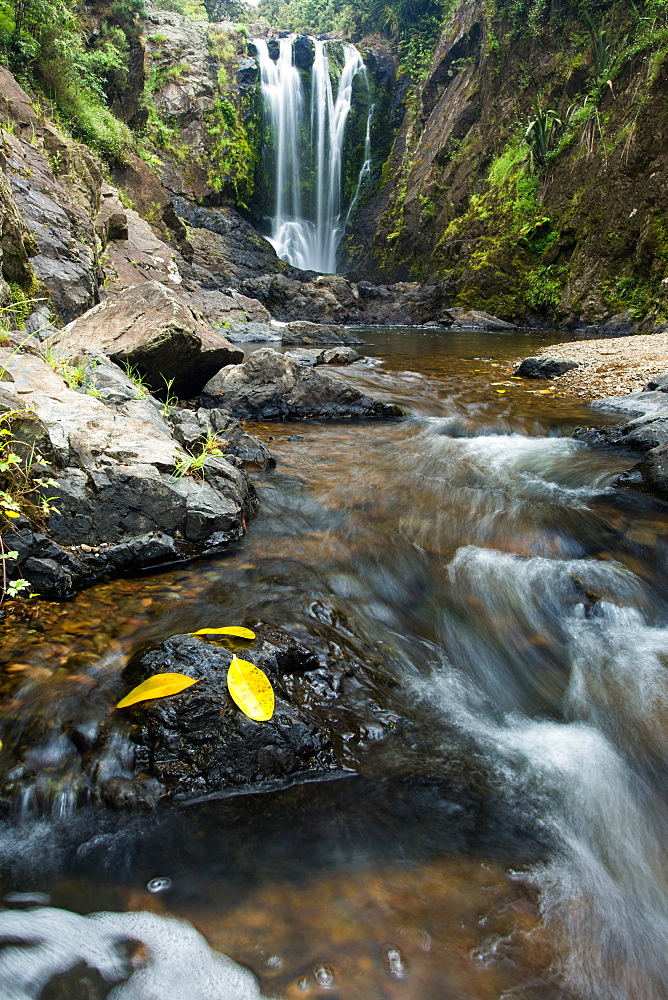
[{"x": 520, "y": 602}]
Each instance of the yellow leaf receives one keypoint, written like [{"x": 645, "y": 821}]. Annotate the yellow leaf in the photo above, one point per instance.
[
  {"x": 501, "y": 391},
  {"x": 11, "y": 513},
  {"x": 250, "y": 689},
  {"x": 242, "y": 633},
  {"x": 158, "y": 686}
]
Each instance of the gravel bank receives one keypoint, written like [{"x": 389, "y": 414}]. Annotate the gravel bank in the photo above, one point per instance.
[{"x": 610, "y": 367}]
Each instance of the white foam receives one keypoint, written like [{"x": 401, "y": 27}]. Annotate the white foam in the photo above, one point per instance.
[{"x": 178, "y": 961}]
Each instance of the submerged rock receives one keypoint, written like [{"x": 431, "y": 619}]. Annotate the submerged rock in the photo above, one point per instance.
[
  {"x": 271, "y": 386},
  {"x": 150, "y": 328},
  {"x": 308, "y": 334},
  {"x": 545, "y": 368}
]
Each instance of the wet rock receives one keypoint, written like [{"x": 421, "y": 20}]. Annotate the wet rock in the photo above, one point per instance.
[
  {"x": 332, "y": 356},
  {"x": 270, "y": 386},
  {"x": 199, "y": 742},
  {"x": 646, "y": 431},
  {"x": 122, "y": 794},
  {"x": 303, "y": 52},
  {"x": 545, "y": 368},
  {"x": 658, "y": 384},
  {"x": 150, "y": 328},
  {"x": 307, "y": 334},
  {"x": 635, "y": 404}
]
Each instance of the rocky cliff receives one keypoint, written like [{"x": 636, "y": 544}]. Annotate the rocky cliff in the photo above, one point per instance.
[{"x": 529, "y": 174}]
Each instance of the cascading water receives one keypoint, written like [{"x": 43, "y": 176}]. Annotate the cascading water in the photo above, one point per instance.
[{"x": 306, "y": 231}]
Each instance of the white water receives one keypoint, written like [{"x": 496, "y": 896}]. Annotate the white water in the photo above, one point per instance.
[{"x": 306, "y": 232}]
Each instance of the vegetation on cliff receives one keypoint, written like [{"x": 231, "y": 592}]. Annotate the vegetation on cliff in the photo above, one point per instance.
[
  {"x": 527, "y": 172},
  {"x": 92, "y": 67}
]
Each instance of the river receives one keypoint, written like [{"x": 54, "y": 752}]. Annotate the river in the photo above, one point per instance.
[{"x": 520, "y": 603}]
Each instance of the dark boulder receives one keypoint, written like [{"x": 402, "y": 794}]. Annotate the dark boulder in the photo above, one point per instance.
[
  {"x": 270, "y": 386},
  {"x": 198, "y": 742},
  {"x": 659, "y": 383},
  {"x": 303, "y": 52},
  {"x": 545, "y": 368}
]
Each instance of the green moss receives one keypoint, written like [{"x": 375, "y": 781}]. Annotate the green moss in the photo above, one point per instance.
[{"x": 232, "y": 159}]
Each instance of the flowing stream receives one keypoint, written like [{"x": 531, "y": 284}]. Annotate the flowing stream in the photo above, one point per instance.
[
  {"x": 517, "y": 848},
  {"x": 306, "y": 229}
]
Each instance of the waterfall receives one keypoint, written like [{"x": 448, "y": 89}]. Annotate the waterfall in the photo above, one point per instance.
[{"x": 306, "y": 227}]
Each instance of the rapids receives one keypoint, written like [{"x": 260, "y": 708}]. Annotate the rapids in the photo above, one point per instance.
[{"x": 520, "y": 602}]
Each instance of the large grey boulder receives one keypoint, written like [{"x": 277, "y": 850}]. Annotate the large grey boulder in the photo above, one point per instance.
[
  {"x": 271, "y": 386},
  {"x": 476, "y": 319},
  {"x": 150, "y": 328},
  {"x": 118, "y": 503}
]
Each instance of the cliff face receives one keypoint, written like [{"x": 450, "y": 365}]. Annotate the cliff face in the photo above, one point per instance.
[{"x": 580, "y": 236}]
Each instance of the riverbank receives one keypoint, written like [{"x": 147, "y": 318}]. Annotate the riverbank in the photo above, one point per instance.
[{"x": 610, "y": 367}]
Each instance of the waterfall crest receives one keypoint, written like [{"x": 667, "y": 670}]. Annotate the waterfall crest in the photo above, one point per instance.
[{"x": 307, "y": 147}]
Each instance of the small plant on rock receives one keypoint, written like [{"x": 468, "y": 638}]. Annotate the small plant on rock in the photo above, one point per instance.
[
  {"x": 21, "y": 495},
  {"x": 143, "y": 388},
  {"x": 191, "y": 465}
]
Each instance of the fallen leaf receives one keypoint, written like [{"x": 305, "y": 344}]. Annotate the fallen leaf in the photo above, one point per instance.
[
  {"x": 242, "y": 633},
  {"x": 11, "y": 513},
  {"x": 501, "y": 390},
  {"x": 250, "y": 689},
  {"x": 158, "y": 686}
]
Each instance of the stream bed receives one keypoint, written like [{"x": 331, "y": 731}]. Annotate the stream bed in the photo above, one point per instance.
[{"x": 520, "y": 604}]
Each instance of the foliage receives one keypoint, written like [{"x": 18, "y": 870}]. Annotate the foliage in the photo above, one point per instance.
[
  {"x": 250, "y": 689},
  {"x": 235, "y": 630},
  {"x": 233, "y": 159},
  {"x": 413, "y": 24},
  {"x": 606, "y": 43},
  {"x": 44, "y": 43},
  {"x": 158, "y": 686},
  {"x": 142, "y": 387},
  {"x": 225, "y": 10},
  {"x": 22, "y": 494},
  {"x": 541, "y": 138}
]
